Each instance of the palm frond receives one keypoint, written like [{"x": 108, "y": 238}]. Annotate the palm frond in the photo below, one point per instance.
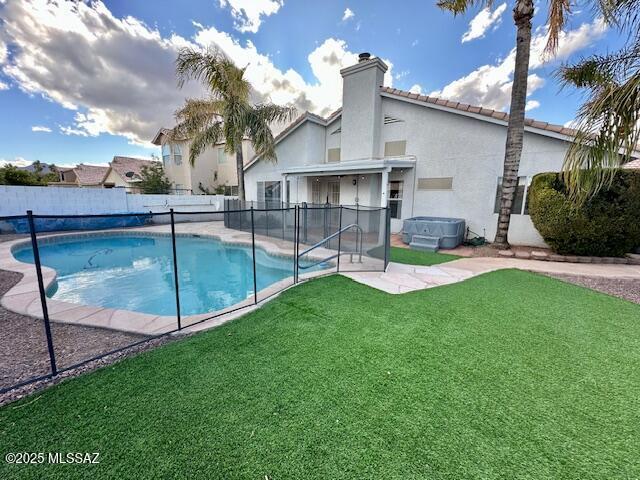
[
  {"x": 461, "y": 6},
  {"x": 259, "y": 120},
  {"x": 214, "y": 70},
  {"x": 203, "y": 139},
  {"x": 194, "y": 117},
  {"x": 271, "y": 113},
  {"x": 556, "y": 21},
  {"x": 607, "y": 136}
]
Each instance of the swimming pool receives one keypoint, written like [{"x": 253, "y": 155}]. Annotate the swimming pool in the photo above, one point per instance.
[{"x": 135, "y": 272}]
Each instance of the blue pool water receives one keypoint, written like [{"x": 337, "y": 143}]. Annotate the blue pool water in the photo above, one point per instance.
[{"x": 136, "y": 272}]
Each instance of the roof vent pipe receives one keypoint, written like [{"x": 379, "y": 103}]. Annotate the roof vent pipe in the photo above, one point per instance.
[{"x": 363, "y": 57}]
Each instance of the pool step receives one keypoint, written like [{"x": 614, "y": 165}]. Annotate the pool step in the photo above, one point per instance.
[{"x": 425, "y": 242}]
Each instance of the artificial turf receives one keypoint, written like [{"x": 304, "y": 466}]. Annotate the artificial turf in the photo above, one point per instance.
[
  {"x": 417, "y": 257},
  {"x": 506, "y": 375}
]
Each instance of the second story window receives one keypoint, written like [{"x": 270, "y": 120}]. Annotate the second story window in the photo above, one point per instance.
[
  {"x": 177, "y": 153},
  {"x": 166, "y": 154},
  {"x": 222, "y": 156}
]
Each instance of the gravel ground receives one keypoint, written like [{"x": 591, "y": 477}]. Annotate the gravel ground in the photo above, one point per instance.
[
  {"x": 628, "y": 289},
  {"x": 23, "y": 347}
]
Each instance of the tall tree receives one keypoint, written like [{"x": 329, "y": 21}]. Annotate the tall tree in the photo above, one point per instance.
[
  {"x": 608, "y": 122},
  {"x": 523, "y": 12},
  {"x": 227, "y": 114}
]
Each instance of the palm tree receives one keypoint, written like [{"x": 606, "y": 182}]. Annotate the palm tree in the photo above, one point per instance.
[
  {"x": 227, "y": 113},
  {"x": 523, "y": 12},
  {"x": 608, "y": 124}
]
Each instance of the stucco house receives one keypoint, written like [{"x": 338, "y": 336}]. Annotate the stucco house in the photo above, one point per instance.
[
  {"x": 81, "y": 175},
  {"x": 214, "y": 168},
  {"x": 125, "y": 172},
  {"x": 420, "y": 155},
  {"x": 122, "y": 172}
]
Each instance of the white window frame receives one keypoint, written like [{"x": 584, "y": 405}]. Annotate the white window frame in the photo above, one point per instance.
[
  {"x": 176, "y": 151},
  {"x": 222, "y": 156}
]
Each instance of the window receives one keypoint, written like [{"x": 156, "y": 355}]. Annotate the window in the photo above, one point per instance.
[
  {"x": 177, "y": 153},
  {"x": 333, "y": 155},
  {"x": 288, "y": 191},
  {"x": 518, "y": 201},
  {"x": 435, "y": 183},
  {"x": 231, "y": 190},
  {"x": 334, "y": 193},
  {"x": 222, "y": 156},
  {"x": 395, "y": 198},
  {"x": 395, "y": 149},
  {"x": 315, "y": 191},
  {"x": 166, "y": 153},
  {"x": 270, "y": 194}
]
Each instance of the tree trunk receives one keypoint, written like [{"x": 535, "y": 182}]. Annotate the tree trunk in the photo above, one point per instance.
[
  {"x": 240, "y": 170},
  {"x": 522, "y": 14}
]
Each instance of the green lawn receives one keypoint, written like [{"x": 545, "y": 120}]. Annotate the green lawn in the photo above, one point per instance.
[
  {"x": 507, "y": 375},
  {"x": 417, "y": 257}
]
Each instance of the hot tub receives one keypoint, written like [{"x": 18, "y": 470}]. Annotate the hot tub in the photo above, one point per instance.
[{"x": 450, "y": 231}]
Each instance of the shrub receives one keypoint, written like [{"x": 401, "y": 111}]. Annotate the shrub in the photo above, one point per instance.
[
  {"x": 153, "y": 179},
  {"x": 607, "y": 225}
]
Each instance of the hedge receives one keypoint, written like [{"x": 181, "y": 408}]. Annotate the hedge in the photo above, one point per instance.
[{"x": 608, "y": 225}]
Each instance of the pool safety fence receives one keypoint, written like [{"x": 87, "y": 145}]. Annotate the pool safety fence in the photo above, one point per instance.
[{"x": 78, "y": 288}]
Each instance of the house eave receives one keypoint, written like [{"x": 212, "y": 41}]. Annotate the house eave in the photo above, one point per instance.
[{"x": 369, "y": 165}]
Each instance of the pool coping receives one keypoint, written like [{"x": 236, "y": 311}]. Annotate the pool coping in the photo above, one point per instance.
[{"x": 24, "y": 297}]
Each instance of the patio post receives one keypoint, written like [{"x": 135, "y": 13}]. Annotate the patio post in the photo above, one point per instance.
[
  {"x": 43, "y": 296},
  {"x": 339, "y": 238},
  {"x": 253, "y": 249},
  {"x": 387, "y": 236},
  {"x": 175, "y": 268}
]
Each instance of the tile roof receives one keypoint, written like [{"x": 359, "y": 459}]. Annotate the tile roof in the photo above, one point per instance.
[
  {"x": 487, "y": 112},
  {"x": 130, "y": 168},
  {"x": 90, "y": 174},
  {"x": 635, "y": 164}
]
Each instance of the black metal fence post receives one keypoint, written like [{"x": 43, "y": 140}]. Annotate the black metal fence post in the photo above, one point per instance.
[
  {"x": 175, "y": 268},
  {"x": 304, "y": 229},
  {"x": 387, "y": 237},
  {"x": 339, "y": 238},
  {"x": 43, "y": 296},
  {"x": 253, "y": 249},
  {"x": 296, "y": 247}
]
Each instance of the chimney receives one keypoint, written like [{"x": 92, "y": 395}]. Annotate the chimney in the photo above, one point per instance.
[{"x": 362, "y": 108}]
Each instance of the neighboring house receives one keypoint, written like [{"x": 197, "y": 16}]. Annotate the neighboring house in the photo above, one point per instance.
[
  {"x": 635, "y": 164},
  {"x": 122, "y": 172},
  {"x": 419, "y": 155},
  {"x": 214, "y": 167},
  {"x": 126, "y": 172},
  {"x": 81, "y": 176}
]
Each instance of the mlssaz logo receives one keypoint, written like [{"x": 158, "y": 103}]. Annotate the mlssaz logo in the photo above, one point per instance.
[{"x": 74, "y": 457}]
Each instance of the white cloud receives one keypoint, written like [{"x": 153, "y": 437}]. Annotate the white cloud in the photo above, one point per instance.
[
  {"x": 3, "y": 86},
  {"x": 483, "y": 21},
  {"x": 119, "y": 74},
  {"x": 248, "y": 14},
  {"x": 416, "y": 88},
  {"x": 348, "y": 13},
  {"x": 16, "y": 162},
  {"x": 415, "y": 43},
  {"x": 490, "y": 85},
  {"x": 40, "y": 128},
  {"x": 280, "y": 87},
  {"x": 531, "y": 104}
]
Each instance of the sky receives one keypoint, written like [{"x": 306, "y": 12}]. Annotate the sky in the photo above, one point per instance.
[{"x": 83, "y": 81}]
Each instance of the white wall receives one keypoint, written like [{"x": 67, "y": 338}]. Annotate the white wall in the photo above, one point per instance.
[
  {"x": 472, "y": 152},
  {"x": 16, "y": 200}
]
